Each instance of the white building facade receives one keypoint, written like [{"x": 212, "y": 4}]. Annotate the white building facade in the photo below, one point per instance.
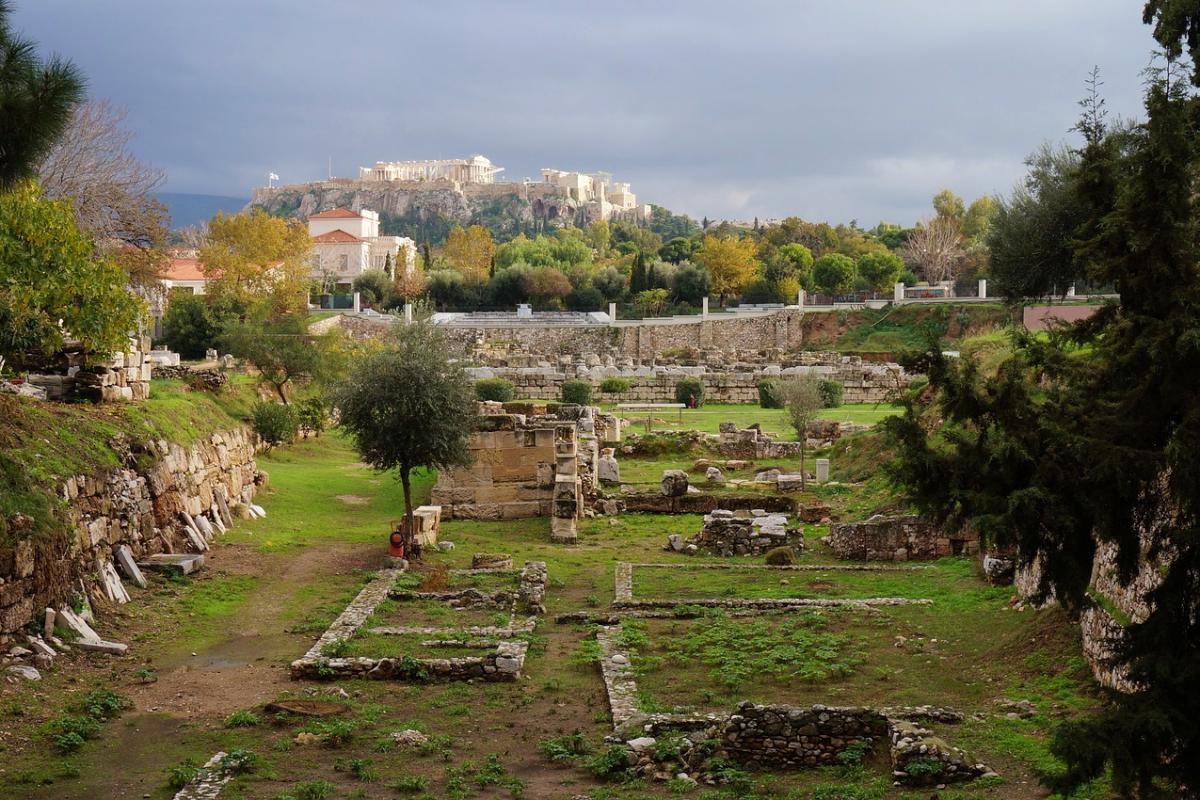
[{"x": 347, "y": 243}]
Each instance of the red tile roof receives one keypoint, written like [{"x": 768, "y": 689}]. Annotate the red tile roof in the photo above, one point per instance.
[
  {"x": 183, "y": 269},
  {"x": 337, "y": 213},
  {"x": 338, "y": 235}
]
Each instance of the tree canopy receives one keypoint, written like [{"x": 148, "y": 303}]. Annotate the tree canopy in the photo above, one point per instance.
[
  {"x": 409, "y": 406},
  {"x": 37, "y": 98},
  {"x": 1092, "y": 435},
  {"x": 253, "y": 258},
  {"x": 49, "y": 272}
]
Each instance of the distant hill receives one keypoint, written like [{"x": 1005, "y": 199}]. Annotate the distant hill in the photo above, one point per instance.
[{"x": 192, "y": 209}]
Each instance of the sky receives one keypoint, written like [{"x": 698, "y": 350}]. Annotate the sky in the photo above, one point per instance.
[{"x": 827, "y": 110}]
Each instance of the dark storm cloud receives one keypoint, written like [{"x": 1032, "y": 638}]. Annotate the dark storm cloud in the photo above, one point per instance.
[{"x": 829, "y": 110}]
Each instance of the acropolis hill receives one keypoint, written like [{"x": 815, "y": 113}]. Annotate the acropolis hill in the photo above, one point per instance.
[{"x": 419, "y": 197}]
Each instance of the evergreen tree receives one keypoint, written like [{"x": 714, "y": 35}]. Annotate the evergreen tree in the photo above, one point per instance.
[
  {"x": 1093, "y": 435},
  {"x": 37, "y": 99},
  {"x": 637, "y": 278}
]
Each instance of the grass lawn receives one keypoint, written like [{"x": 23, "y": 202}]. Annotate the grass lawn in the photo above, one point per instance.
[{"x": 207, "y": 647}]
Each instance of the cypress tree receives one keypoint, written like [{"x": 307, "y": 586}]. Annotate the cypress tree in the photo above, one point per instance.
[
  {"x": 637, "y": 278},
  {"x": 1093, "y": 434}
]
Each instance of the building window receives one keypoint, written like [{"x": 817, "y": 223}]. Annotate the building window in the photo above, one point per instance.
[
  {"x": 316, "y": 260},
  {"x": 344, "y": 261}
]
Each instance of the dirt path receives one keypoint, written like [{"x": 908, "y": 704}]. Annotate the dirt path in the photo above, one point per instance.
[{"x": 249, "y": 666}]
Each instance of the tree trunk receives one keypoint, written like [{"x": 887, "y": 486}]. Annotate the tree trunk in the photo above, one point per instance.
[
  {"x": 803, "y": 474},
  {"x": 279, "y": 391},
  {"x": 412, "y": 550}
]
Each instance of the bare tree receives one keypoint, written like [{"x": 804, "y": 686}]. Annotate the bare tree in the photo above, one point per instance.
[
  {"x": 111, "y": 190},
  {"x": 934, "y": 248},
  {"x": 193, "y": 237},
  {"x": 803, "y": 401}
]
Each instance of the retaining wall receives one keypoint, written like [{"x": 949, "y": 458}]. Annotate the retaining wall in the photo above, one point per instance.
[{"x": 144, "y": 505}]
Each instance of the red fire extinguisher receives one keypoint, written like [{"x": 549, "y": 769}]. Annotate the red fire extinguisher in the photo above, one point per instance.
[{"x": 396, "y": 544}]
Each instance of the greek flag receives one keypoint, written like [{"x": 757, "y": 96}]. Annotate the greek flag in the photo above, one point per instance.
[{"x": 272, "y": 176}]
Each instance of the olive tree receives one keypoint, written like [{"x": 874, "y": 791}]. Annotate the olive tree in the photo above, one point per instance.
[
  {"x": 803, "y": 401},
  {"x": 409, "y": 405}
]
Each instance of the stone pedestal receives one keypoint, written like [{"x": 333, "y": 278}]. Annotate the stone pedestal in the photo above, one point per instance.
[{"x": 822, "y": 472}]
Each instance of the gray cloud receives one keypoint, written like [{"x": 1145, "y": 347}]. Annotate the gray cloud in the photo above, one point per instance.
[{"x": 828, "y": 110}]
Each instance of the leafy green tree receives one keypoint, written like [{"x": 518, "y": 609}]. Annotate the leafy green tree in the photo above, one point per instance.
[
  {"x": 679, "y": 249},
  {"x": 283, "y": 351},
  {"x": 880, "y": 269},
  {"x": 691, "y": 284},
  {"x": 1093, "y": 433},
  {"x": 408, "y": 406},
  {"x": 803, "y": 400},
  {"x": 1031, "y": 232},
  {"x": 610, "y": 282},
  {"x": 447, "y": 289},
  {"x": 834, "y": 273},
  {"x": 650, "y": 303},
  {"x": 978, "y": 218},
  {"x": 374, "y": 286},
  {"x": 49, "y": 271},
  {"x": 189, "y": 326},
  {"x": 731, "y": 263},
  {"x": 37, "y": 99},
  {"x": 948, "y": 205},
  {"x": 510, "y": 286},
  {"x": 587, "y": 298}
]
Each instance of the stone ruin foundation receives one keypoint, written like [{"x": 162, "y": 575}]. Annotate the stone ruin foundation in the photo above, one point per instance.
[
  {"x": 537, "y": 464},
  {"x": 898, "y": 539},
  {"x": 503, "y": 662},
  {"x": 773, "y": 736},
  {"x": 728, "y": 534}
]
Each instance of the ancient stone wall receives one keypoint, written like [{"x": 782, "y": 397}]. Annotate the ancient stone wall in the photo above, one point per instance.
[
  {"x": 164, "y": 499},
  {"x": 125, "y": 376},
  {"x": 788, "y": 737},
  {"x": 897, "y": 539}
]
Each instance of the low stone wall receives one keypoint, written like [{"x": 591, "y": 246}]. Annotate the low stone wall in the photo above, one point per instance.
[
  {"x": 897, "y": 539},
  {"x": 787, "y": 737},
  {"x": 861, "y": 383},
  {"x": 704, "y": 503},
  {"x": 166, "y": 499},
  {"x": 501, "y": 665}
]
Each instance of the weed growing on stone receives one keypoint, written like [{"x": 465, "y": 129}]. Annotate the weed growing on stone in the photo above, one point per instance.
[{"x": 181, "y": 775}]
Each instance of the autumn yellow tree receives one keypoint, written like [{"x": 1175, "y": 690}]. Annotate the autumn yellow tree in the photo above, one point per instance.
[
  {"x": 257, "y": 261},
  {"x": 731, "y": 262},
  {"x": 470, "y": 251}
]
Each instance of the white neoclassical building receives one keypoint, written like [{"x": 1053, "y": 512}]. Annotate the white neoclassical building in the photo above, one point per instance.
[
  {"x": 476, "y": 169},
  {"x": 347, "y": 243}
]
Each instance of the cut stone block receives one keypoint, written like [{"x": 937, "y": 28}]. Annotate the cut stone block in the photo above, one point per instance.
[
  {"x": 183, "y": 563},
  {"x": 127, "y": 564},
  {"x": 101, "y": 646},
  {"x": 66, "y": 618},
  {"x": 195, "y": 538}
]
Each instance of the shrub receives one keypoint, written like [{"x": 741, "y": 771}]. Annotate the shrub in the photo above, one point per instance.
[
  {"x": 770, "y": 393},
  {"x": 102, "y": 704},
  {"x": 577, "y": 392},
  {"x": 181, "y": 775},
  {"x": 781, "y": 556},
  {"x": 69, "y": 733},
  {"x": 273, "y": 422},
  {"x": 608, "y": 763},
  {"x": 831, "y": 393},
  {"x": 497, "y": 389},
  {"x": 689, "y": 388},
  {"x": 615, "y": 385},
  {"x": 312, "y": 414},
  {"x": 189, "y": 327}
]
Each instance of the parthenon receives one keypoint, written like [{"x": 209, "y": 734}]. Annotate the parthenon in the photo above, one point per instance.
[{"x": 476, "y": 169}]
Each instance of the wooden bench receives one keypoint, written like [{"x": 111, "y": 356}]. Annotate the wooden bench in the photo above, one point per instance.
[{"x": 649, "y": 408}]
